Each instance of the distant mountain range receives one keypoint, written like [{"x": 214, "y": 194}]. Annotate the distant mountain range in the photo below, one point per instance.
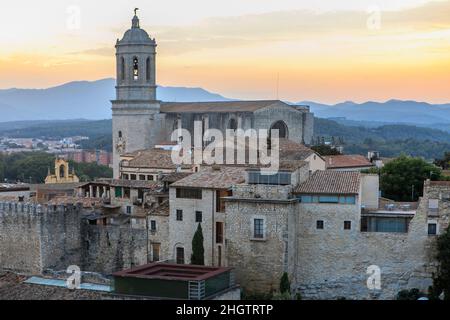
[
  {"x": 81, "y": 99},
  {"x": 392, "y": 111},
  {"x": 91, "y": 100}
]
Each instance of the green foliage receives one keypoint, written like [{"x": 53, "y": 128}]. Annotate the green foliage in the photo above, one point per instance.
[
  {"x": 402, "y": 179},
  {"x": 412, "y": 294},
  {"x": 198, "y": 252},
  {"x": 285, "y": 285},
  {"x": 325, "y": 150},
  {"x": 389, "y": 140},
  {"x": 248, "y": 295},
  {"x": 444, "y": 163},
  {"x": 441, "y": 282},
  {"x": 33, "y": 167},
  {"x": 282, "y": 296},
  {"x": 91, "y": 171}
]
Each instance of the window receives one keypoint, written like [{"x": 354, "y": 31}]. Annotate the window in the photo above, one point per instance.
[
  {"x": 189, "y": 193},
  {"x": 384, "y": 224},
  {"x": 280, "y": 178},
  {"x": 120, "y": 134},
  {"x": 180, "y": 255},
  {"x": 150, "y": 178},
  {"x": 179, "y": 215},
  {"x": 432, "y": 228},
  {"x": 126, "y": 193},
  {"x": 132, "y": 177},
  {"x": 327, "y": 199},
  {"x": 319, "y": 224},
  {"x": 135, "y": 68},
  {"x": 347, "y": 225},
  {"x": 198, "y": 216},
  {"x": 220, "y": 202},
  {"x": 125, "y": 176},
  {"x": 281, "y": 127},
  {"x": 128, "y": 209},
  {"x": 142, "y": 177},
  {"x": 219, "y": 232},
  {"x": 258, "y": 228},
  {"x": 155, "y": 251},
  {"x": 232, "y": 124},
  {"x": 122, "y": 72},
  {"x": 153, "y": 225},
  {"x": 147, "y": 64}
]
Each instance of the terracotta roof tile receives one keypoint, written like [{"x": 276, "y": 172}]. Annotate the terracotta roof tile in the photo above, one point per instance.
[
  {"x": 347, "y": 161},
  {"x": 331, "y": 182},
  {"x": 216, "y": 106},
  {"x": 214, "y": 177}
]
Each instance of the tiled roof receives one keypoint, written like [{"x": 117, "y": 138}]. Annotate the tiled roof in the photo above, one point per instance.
[
  {"x": 216, "y": 106},
  {"x": 331, "y": 182},
  {"x": 152, "y": 185},
  {"x": 153, "y": 158},
  {"x": 175, "y": 176},
  {"x": 347, "y": 161},
  {"x": 214, "y": 177},
  {"x": 290, "y": 150}
]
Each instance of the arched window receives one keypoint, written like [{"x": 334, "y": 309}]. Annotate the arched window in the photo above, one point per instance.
[
  {"x": 120, "y": 134},
  {"x": 232, "y": 124},
  {"x": 148, "y": 69},
  {"x": 62, "y": 171},
  {"x": 281, "y": 127},
  {"x": 122, "y": 69},
  {"x": 135, "y": 68}
]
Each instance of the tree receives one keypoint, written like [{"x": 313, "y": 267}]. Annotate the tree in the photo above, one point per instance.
[
  {"x": 441, "y": 281},
  {"x": 445, "y": 162},
  {"x": 285, "y": 285},
  {"x": 412, "y": 294},
  {"x": 402, "y": 179},
  {"x": 198, "y": 252},
  {"x": 325, "y": 150}
]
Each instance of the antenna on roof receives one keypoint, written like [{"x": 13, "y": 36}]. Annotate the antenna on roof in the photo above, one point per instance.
[{"x": 278, "y": 84}]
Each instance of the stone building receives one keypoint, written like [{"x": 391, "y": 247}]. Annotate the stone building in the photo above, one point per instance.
[
  {"x": 317, "y": 231},
  {"x": 140, "y": 121}
]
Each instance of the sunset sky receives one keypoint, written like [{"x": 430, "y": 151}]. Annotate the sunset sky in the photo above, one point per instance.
[{"x": 325, "y": 51}]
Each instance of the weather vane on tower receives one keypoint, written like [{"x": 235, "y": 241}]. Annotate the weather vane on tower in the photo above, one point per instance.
[{"x": 135, "y": 11}]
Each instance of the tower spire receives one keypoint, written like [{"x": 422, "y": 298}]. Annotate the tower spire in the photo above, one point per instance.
[{"x": 135, "y": 21}]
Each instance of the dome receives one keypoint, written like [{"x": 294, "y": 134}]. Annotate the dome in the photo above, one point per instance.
[{"x": 135, "y": 35}]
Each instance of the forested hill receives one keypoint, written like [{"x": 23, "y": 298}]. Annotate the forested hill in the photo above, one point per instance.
[{"x": 390, "y": 140}]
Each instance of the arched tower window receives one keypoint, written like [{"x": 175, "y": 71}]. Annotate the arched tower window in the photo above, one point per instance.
[
  {"x": 135, "y": 68},
  {"x": 120, "y": 134},
  {"x": 282, "y": 129},
  {"x": 148, "y": 69},
  {"x": 62, "y": 171},
  {"x": 122, "y": 69}
]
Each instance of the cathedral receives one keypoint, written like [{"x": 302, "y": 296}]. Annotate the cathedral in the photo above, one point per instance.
[{"x": 141, "y": 121}]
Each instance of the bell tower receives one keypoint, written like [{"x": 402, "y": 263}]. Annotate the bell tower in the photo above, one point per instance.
[{"x": 135, "y": 111}]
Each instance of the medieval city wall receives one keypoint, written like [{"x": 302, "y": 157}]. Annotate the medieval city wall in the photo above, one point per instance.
[
  {"x": 107, "y": 249},
  {"x": 34, "y": 238}
]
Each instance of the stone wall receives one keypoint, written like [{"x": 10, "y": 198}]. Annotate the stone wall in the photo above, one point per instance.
[
  {"x": 259, "y": 263},
  {"x": 108, "y": 249},
  {"x": 34, "y": 238}
]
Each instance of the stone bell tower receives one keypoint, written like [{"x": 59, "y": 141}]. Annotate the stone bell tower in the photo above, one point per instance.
[{"x": 136, "y": 120}]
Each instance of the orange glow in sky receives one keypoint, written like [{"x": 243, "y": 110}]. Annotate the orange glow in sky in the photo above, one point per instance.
[{"x": 328, "y": 52}]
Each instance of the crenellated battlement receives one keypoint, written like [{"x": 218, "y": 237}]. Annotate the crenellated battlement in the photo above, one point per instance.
[{"x": 37, "y": 208}]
